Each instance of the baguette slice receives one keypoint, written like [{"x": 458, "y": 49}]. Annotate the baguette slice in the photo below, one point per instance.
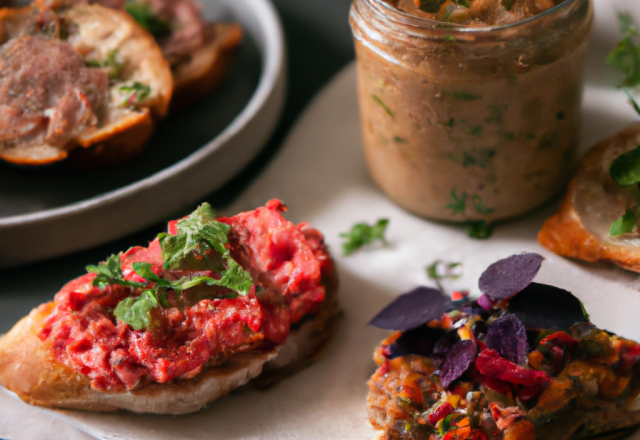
[
  {"x": 95, "y": 32},
  {"x": 580, "y": 229}
]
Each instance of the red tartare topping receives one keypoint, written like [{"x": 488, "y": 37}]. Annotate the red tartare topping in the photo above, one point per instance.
[{"x": 286, "y": 263}]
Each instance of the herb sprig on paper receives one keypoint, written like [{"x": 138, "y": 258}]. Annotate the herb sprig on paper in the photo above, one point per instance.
[{"x": 362, "y": 234}]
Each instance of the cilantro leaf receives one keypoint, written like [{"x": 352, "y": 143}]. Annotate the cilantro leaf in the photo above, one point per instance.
[
  {"x": 110, "y": 272},
  {"x": 362, "y": 234},
  {"x": 625, "y": 57},
  {"x": 625, "y": 169},
  {"x": 111, "y": 62},
  {"x": 200, "y": 235},
  {"x": 624, "y": 224},
  {"x": 141, "y": 12},
  {"x": 136, "y": 311}
]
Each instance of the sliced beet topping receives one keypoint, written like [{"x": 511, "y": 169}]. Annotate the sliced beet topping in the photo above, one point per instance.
[
  {"x": 412, "y": 309},
  {"x": 541, "y": 306},
  {"x": 508, "y": 337},
  {"x": 457, "y": 361},
  {"x": 420, "y": 341},
  {"x": 505, "y": 278}
]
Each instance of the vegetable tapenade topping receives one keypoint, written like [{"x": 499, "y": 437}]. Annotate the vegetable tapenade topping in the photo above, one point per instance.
[{"x": 521, "y": 362}]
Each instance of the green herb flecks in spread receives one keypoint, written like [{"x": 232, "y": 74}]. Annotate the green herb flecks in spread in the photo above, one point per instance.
[
  {"x": 377, "y": 99},
  {"x": 625, "y": 171},
  {"x": 134, "y": 93},
  {"x": 111, "y": 63},
  {"x": 459, "y": 204},
  {"x": 200, "y": 238},
  {"x": 141, "y": 12},
  {"x": 362, "y": 234}
]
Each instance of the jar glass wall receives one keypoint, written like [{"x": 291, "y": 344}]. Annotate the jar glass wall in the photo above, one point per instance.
[{"x": 467, "y": 123}]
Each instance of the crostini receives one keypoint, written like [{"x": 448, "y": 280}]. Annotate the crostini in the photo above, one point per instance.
[
  {"x": 522, "y": 362},
  {"x": 586, "y": 225},
  {"x": 102, "y": 86},
  {"x": 168, "y": 328}
]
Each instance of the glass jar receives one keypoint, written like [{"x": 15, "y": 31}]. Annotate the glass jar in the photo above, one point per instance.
[{"x": 464, "y": 123}]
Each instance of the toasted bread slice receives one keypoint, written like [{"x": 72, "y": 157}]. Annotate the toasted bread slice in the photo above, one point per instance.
[
  {"x": 196, "y": 78},
  {"x": 580, "y": 229},
  {"x": 96, "y": 32},
  {"x": 28, "y": 369}
]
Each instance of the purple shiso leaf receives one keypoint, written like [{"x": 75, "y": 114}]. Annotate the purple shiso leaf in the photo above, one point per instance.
[
  {"x": 505, "y": 278},
  {"x": 412, "y": 309},
  {"x": 457, "y": 361},
  {"x": 419, "y": 341},
  {"x": 545, "y": 307},
  {"x": 508, "y": 337},
  {"x": 485, "y": 302}
]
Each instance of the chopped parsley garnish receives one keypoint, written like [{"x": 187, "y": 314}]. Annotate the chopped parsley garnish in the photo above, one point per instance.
[
  {"x": 462, "y": 96},
  {"x": 141, "y": 12},
  {"x": 625, "y": 57},
  {"x": 625, "y": 169},
  {"x": 110, "y": 62},
  {"x": 451, "y": 123},
  {"x": 377, "y": 99},
  {"x": 200, "y": 238},
  {"x": 440, "y": 270},
  {"x": 135, "y": 93},
  {"x": 362, "y": 234},
  {"x": 624, "y": 224},
  {"x": 400, "y": 140},
  {"x": 110, "y": 272},
  {"x": 479, "y": 229}
]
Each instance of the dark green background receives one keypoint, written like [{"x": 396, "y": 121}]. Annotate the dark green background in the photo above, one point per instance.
[{"x": 318, "y": 45}]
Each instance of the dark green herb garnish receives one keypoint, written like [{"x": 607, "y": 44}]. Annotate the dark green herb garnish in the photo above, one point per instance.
[
  {"x": 459, "y": 203},
  {"x": 479, "y": 229},
  {"x": 625, "y": 57},
  {"x": 431, "y": 6},
  {"x": 531, "y": 136},
  {"x": 560, "y": 116},
  {"x": 362, "y": 234},
  {"x": 479, "y": 205},
  {"x": 136, "y": 311},
  {"x": 135, "y": 93},
  {"x": 476, "y": 130},
  {"x": 462, "y": 96},
  {"x": 625, "y": 169},
  {"x": 440, "y": 270},
  {"x": 451, "y": 123},
  {"x": 141, "y": 12},
  {"x": 111, "y": 63},
  {"x": 624, "y": 224},
  {"x": 449, "y": 38},
  {"x": 400, "y": 140},
  {"x": 377, "y": 99},
  {"x": 110, "y": 272}
]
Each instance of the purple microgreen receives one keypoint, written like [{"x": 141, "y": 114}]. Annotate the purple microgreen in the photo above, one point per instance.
[
  {"x": 545, "y": 307},
  {"x": 446, "y": 343},
  {"x": 485, "y": 302},
  {"x": 505, "y": 278},
  {"x": 508, "y": 336},
  {"x": 457, "y": 361},
  {"x": 419, "y": 341},
  {"x": 412, "y": 309}
]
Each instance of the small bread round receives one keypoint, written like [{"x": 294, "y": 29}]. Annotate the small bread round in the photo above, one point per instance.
[
  {"x": 95, "y": 32},
  {"x": 197, "y": 77},
  {"x": 580, "y": 228},
  {"x": 28, "y": 369}
]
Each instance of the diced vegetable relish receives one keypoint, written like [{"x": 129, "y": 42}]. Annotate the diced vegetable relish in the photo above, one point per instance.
[{"x": 200, "y": 327}]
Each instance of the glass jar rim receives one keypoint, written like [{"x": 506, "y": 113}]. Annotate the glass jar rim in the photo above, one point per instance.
[{"x": 405, "y": 18}]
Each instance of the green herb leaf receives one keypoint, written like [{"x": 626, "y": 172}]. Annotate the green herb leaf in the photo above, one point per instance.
[
  {"x": 200, "y": 236},
  {"x": 624, "y": 224},
  {"x": 440, "y": 270},
  {"x": 362, "y": 234},
  {"x": 479, "y": 229},
  {"x": 135, "y": 93},
  {"x": 632, "y": 100},
  {"x": 431, "y": 6},
  {"x": 110, "y": 272},
  {"x": 136, "y": 311},
  {"x": 111, "y": 62},
  {"x": 625, "y": 57},
  {"x": 625, "y": 169},
  {"x": 462, "y": 96},
  {"x": 141, "y": 12},
  {"x": 459, "y": 203},
  {"x": 377, "y": 99},
  {"x": 479, "y": 205}
]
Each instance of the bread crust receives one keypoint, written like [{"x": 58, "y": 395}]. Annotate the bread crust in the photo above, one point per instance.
[
  {"x": 565, "y": 234},
  {"x": 28, "y": 368},
  {"x": 195, "y": 79},
  {"x": 127, "y": 132}
]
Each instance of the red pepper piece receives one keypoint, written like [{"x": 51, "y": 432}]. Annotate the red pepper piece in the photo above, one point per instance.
[
  {"x": 489, "y": 363},
  {"x": 526, "y": 394},
  {"x": 440, "y": 413},
  {"x": 629, "y": 356},
  {"x": 478, "y": 435},
  {"x": 500, "y": 386},
  {"x": 559, "y": 339}
]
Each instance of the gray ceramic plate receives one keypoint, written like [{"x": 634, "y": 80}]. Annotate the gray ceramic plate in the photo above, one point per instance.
[{"x": 47, "y": 212}]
